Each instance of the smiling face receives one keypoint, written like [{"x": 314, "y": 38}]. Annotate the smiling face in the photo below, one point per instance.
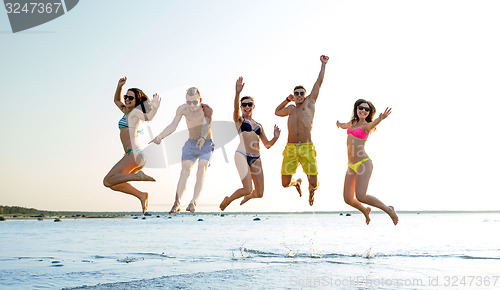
[
  {"x": 299, "y": 95},
  {"x": 247, "y": 107},
  {"x": 129, "y": 103},
  {"x": 193, "y": 102},
  {"x": 363, "y": 110}
]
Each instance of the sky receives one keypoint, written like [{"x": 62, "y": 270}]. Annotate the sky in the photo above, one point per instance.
[{"x": 435, "y": 63}]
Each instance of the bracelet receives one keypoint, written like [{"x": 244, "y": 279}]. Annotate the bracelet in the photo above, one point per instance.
[
  {"x": 287, "y": 100},
  {"x": 203, "y": 138}
]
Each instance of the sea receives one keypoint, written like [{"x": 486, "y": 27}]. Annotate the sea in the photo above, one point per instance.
[{"x": 426, "y": 250}]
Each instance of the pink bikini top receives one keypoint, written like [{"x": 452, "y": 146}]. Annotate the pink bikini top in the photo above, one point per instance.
[{"x": 358, "y": 132}]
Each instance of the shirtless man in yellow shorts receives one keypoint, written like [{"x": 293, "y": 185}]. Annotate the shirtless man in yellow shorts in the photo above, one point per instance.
[{"x": 300, "y": 149}]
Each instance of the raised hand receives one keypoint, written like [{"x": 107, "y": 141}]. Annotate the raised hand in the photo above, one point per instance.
[
  {"x": 239, "y": 85},
  {"x": 338, "y": 124},
  {"x": 277, "y": 132},
  {"x": 156, "y": 102},
  {"x": 290, "y": 98},
  {"x": 385, "y": 114},
  {"x": 324, "y": 59},
  {"x": 122, "y": 81}
]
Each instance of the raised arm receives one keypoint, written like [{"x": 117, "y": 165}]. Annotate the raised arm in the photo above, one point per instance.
[
  {"x": 237, "y": 112},
  {"x": 321, "y": 76},
  {"x": 170, "y": 128},
  {"x": 208, "y": 112},
  {"x": 268, "y": 143},
  {"x": 118, "y": 94},
  {"x": 155, "y": 104},
  {"x": 282, "y": 109},
  {"x": 370, "y": 126},
  {"x": 344, "y": 125}
]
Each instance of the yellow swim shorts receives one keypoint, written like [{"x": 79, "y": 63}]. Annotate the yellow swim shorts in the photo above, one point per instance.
[{"x": 303, "y": 153}]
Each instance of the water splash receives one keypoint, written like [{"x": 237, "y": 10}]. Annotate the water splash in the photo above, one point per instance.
[
  {"x": 243, "y": 251},
  {"x": 368, "y": 254},
  {"x": 315, "y": 255},
  {"x": 291, "y": 253},
  {"x": 312, "y": 241}
]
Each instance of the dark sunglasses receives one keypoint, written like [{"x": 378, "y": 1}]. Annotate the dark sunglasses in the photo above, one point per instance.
[
  {"x": 297, "y": 93},
  {"x": 250, "y": 104},
  {"x": 192, "y": 102},
  {"x": 361, "y": 108},
  {"x": 127, "y": 97}
]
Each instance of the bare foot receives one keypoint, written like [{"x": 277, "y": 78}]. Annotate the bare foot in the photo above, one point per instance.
[
  {"x": 175, "y": 208},
  {"x": 143, "y": 177},
  {"x": 298, "y": 182},
  {"x": 224, "y": 203},
  {"x": 393, "y": 215},
  {"x": 191, "y": 207},
  {"x": 245, "y": 199},
  {"x": 311, "y": 194},
  {"x": 144, "y": 202},
  {"x": 367, "y": 214}
]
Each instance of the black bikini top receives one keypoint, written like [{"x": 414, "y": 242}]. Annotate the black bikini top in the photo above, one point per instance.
[{"x": 246, "y": 126}]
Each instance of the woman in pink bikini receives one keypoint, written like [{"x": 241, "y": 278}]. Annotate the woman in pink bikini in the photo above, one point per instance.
[{"x": 360, "y": 166}]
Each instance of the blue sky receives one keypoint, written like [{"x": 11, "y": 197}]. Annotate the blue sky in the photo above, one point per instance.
[{"x": 436, "y": 63}]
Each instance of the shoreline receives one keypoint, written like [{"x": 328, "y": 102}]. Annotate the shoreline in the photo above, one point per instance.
[{"x": 92, "y": 215}]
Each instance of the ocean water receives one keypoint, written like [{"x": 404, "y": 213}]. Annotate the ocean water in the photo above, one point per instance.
[{"x": 280, "y": 251}]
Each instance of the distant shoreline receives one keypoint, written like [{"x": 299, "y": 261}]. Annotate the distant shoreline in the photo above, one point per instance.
[{"x": 86, "y": 215}]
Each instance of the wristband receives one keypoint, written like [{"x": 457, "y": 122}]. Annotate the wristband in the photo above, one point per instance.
[{"x": 287, "y": 100}]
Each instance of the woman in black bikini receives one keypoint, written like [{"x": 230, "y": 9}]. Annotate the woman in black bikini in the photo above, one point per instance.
[{"x": 247, "y": 156}]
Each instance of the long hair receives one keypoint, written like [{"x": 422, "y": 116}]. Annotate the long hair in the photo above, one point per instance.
[
  {"x": 141, "y": 100},
  {"x": 355, "y": 118}
]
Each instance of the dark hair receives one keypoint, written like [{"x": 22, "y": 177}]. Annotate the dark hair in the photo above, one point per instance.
[
  {"x": 192, "y": 91},
  {"x": 141, "y": 99},
  {"x": 355, "y": 117},
  {"x": 246, "y": 98},
  {"x": 299, "y": 87}
]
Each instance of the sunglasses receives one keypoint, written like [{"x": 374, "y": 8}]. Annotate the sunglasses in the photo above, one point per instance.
[
  {"x": 361, "y": 108},
  {"x": 192, "y": 102},
  {"x": 297, "y": 93},
  {"x": 127, "y": 97},
  {"x": 250, "y": 104}
]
